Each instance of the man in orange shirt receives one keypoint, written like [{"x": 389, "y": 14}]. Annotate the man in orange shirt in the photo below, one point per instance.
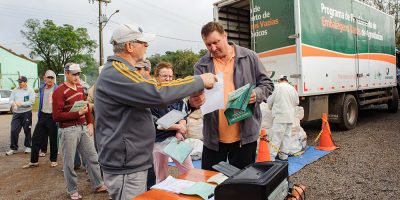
[{"x": 237, "y": 142}]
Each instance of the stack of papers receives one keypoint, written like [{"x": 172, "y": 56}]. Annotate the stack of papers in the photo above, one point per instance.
[
  {"x": 179, "y": 186},
  {"x": 178, "y": 151},
  {"x": 217, "y": 178},
  {"x": 237, "y": 108},
  {"x": 78, "y": 105},
  {"x": 214, "y": 97}
]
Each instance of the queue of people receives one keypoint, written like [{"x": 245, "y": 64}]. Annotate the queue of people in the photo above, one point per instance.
[{"x": 126, "y": 101}]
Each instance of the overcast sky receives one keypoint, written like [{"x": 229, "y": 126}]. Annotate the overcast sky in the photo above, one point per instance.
[{"x": 180, "y": 19}]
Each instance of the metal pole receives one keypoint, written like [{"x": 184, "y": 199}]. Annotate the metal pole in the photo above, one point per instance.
[{"x": 101, "y": 35}]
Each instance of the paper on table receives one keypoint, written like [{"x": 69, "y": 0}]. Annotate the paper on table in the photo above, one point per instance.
[
  {"x": 178, "y": 151},
  {"x": 204, "y": 190},
  {"x": 78, "y": 105},
  {"x": 174, "y": 185},
  {"x": 217, "y": 178},
  {"x": 214, "y": 97}
]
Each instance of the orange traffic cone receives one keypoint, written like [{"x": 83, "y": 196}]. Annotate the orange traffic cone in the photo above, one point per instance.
[
  {"x": 263, "y": 151},
  {"x": 326, "y": 141}
]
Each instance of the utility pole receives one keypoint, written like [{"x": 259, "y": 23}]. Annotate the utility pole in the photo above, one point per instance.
[
  {"x": 101, "y": 59},
  {"x": 102, "y": 19}
]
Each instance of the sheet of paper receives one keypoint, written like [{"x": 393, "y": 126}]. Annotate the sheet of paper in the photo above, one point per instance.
[
  {"x": 174, "y": 185},
  {"x": 214, "y": 97},
  {"x": 78, "y": 105},
  {"x": 204, "y": 190},
  {"x": 217, "y": 178},
  {"x": 170, "y": 118},
  {"x": 178, "y": 151}
]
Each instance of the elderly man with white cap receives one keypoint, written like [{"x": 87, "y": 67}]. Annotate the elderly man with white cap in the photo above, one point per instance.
[
  {"x": 282, "y": 103},
  {"x": 46, "y": 127},
  {"x": 124, "y": 125}
]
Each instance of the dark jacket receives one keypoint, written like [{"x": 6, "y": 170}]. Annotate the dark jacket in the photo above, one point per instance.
[
  {"x": 247, "y": 69},
  {"x": 157, "y": 113},
  {"x": 125, "y": 130}
]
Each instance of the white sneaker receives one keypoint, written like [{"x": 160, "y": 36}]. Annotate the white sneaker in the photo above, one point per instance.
[
  {"x": 10, "y": 152},
  {"x": 27, "y": 150}
]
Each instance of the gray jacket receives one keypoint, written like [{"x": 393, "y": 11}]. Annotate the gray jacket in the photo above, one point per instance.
[
  {"x": 125, "y": 132},
  {"x": 247, "y": 69}
]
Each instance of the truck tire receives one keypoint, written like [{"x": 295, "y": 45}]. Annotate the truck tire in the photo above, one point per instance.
[
  {"x": 348, "y": 113},
  {"x": 393, "y": 104}
]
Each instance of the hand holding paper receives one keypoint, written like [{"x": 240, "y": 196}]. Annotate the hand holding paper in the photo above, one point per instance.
[{"x": 214, "y": 98}]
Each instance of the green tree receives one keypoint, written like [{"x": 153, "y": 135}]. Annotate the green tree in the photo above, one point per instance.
[
  {"x": 182, "y": 61},
  {"x": 390, "y": 7},
  {"x": 58, "y": 45}
]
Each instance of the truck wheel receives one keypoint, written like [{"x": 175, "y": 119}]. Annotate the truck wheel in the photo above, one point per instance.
[
  {"x": 393, "y": 104},
  {"x": 349, "y": 113}
]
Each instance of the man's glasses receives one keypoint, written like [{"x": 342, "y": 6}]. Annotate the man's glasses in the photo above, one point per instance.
[
  {"x": 50, "y": 77},
  {"x": 77, "y": 74},
  {"x": 141, "y": 42}
]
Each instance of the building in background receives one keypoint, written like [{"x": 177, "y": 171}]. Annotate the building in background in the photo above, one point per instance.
[{"x": 12, "y": 65}]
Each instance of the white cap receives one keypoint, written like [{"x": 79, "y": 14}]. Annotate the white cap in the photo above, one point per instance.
[
  {"x": 144, "y": 63},
  {"x": 50, "y": 73},
  {"x": 72, "y": 68},
  {"x": 130, "y": 32},
  {"x": 283, "y": 77}
]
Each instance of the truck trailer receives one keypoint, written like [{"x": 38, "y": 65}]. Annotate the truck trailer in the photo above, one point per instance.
[{"x": 340, "y": 55}]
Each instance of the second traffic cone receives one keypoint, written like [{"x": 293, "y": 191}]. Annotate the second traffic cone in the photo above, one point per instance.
[
  {"x": 263, "y": 151},
  {"x": 326, "y": 141}
]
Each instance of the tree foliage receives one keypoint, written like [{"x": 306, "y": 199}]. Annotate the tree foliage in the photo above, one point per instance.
[
  {"x": 390, "y": 7},
  {"x": 182, "y": 61},
  {"x": 58, "y": 45}
]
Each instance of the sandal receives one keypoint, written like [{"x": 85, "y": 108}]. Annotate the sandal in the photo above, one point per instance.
[
  {"x": 30, "y": 165},
  {"x": 75, "y": 196},
  {"x": 101, "y": 189},
  {"x": 53, "y": 164}
]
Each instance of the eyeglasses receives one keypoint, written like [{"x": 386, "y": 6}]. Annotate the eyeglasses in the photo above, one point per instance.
[
  {"x": 77, "y": 74},
  {"x": 50, "y": 77},
  {"x": 166, "y": 76},
  {"x": 141, "y": 42}
]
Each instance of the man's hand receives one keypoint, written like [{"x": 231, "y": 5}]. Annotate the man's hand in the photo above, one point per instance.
[
  {"x": 18, "y": 104},
  {"x": 90, "y": 129},
  {"x": 83, "y": 110},
  {"x": 197, "y": 99},
  {"x": 209, "y": 80},
  {"x": 253, "y": 97}
]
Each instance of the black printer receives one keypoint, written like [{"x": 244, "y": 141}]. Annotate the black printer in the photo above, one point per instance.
[{"x": 258, "y": 181}]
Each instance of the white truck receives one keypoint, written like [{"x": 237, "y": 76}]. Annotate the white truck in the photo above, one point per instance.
[{"x": 339, "y": 55}]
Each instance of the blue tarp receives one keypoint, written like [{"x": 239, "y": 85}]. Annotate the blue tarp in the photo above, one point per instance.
[{"x": 295, "y": 162}]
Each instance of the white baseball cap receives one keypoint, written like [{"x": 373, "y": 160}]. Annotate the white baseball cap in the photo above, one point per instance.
[
  {"x": 50, "y": 73},
  {"x": 72, "y": 68},
  {"x": 283, "y": 77},
  {"x": 130, "y": 32}
]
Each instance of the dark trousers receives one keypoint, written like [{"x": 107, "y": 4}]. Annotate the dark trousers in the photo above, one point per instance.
[
  {"x": 19, "y": 121},
  {"x": 43, "y": 146},
  {"x": 45, "y": 128},
  {"x": 238, "y": 156}
]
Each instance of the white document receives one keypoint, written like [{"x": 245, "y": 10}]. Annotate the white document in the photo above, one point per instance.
[
  {"x": 174, "y": 185},
  {"x": 214, "y": 97},
  {"x": 170, "y": 118}
]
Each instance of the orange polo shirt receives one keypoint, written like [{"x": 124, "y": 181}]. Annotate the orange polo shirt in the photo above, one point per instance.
[{"x": 227, "y": 134}]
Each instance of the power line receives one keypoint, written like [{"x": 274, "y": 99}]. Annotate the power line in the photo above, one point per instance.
[{"x": 184, "y": 40}]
